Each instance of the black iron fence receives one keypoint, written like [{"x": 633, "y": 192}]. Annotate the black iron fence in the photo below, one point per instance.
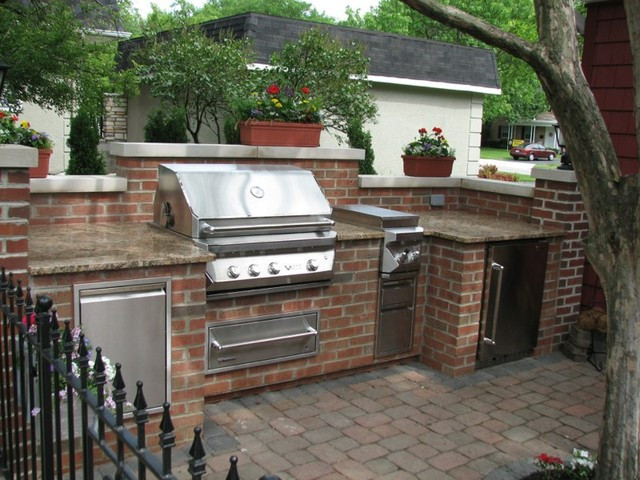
[{"x": 45, "y": 393}]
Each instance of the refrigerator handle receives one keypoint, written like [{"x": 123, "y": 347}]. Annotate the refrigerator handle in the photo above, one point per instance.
[{"x": 496, "y": 306}]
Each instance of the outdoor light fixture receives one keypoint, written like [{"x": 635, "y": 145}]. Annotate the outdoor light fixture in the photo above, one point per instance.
[
  {"x": 565, "y": 160},
  {"x": 3, "y": 75}
]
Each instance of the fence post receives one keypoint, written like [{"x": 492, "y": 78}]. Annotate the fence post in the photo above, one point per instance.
[
  {"x": 141, "y": 417},
  {"x": 43, "y": 305},
  {"x": 167, "y": 439},
  {"x": 197, "y": 465}
]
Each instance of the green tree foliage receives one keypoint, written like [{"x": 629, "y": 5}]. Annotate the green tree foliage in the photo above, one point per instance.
[
  {"x": 522, "y": 95},
  {"x": 189, "y": 70},
  {"x": 166, "y": 125},
  {"x": 54, "y": 58},
  {"x": 359, "y": 138},
  {"x": 159, "y": 20},
  {"x": 84, "y": 158},
  {"x": 336, "y": 73}
]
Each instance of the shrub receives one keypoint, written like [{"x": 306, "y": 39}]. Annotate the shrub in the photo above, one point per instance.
[
  {"x": 166, "y": 125},
  {"x": 358, "y": 138},
  {"x": 231, "y": 132},
  {"x": 84, "y": 157},
  {"x": 491, "y": 172}
]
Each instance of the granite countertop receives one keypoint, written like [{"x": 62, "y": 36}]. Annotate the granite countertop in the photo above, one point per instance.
[
  {"x": 460, "y": 226},
  {"x": 94, "y": 247},
  {"x": 468, "y": 227}
]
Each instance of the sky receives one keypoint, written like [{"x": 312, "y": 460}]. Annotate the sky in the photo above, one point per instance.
[{"x": 333, "y": 8}]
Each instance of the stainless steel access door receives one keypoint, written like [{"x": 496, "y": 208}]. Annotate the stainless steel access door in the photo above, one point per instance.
[
  {"x": 130, "y": 321},
  {"x": 514, "y": 283}
]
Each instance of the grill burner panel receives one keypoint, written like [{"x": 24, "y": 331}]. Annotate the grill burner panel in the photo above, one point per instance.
[{"x": 266, "y": 224}]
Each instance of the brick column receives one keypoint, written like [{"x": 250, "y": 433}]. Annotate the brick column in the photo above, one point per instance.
[
  {"x": 453, "y": 306},
  {"x": 558, "y": 204},
  {"x": 15, "y": 161}
]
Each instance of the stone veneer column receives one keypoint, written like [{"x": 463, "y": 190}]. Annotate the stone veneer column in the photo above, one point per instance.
[
  {"x": 115, "y": 118},
  {"x": 15, "y": 161},
  {"x": 558, "y": 204}
]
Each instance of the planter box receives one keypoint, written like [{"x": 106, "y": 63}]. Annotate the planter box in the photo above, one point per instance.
[
  {"x": 42, "y": 170},
  {"x": 280, "y": 134},
  {"x": 415, "y": 166}
]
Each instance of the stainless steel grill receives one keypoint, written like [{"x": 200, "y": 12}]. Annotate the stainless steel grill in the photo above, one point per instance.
[{"x": 266, "y": 224}]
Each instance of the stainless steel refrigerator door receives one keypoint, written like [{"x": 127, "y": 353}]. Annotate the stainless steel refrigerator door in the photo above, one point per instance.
[{"x": 514, "y": 284}]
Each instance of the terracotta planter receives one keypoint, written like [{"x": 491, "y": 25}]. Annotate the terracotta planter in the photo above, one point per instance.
[
  {"x": 281, "y": 134},
  {"x": 42, "y": 170},
  {"x": 416, "y": 166}
]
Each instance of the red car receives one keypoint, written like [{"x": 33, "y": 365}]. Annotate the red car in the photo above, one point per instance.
[{"x": 532, "y": 151}]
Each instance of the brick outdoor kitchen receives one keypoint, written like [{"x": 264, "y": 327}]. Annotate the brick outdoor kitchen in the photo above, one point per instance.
[{"x": 59, "y": 232}]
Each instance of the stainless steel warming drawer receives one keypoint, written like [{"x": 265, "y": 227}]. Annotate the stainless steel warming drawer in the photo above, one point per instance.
[{"x": 259, "y": 341}]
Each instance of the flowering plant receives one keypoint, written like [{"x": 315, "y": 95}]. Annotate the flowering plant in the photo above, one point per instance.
[
  {"x": 432, "y": 144},
  {"x": 16, "y": 131},
  {"x": 580, "y": 467},
  {"x": 281, "y": 103}
]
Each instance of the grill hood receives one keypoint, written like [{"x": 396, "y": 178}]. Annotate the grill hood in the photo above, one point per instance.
[{"x": 238, "y": 198}]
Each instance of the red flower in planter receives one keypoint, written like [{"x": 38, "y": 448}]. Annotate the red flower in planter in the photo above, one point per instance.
[
  {"x": 305, "y": 90},
  {"x": 273, "y": 89}
]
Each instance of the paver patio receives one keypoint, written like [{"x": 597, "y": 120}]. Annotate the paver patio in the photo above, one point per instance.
[{"x": 407, "y": 421}]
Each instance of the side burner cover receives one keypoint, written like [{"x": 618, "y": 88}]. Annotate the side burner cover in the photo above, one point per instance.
[{"x": 374, "y": 217}]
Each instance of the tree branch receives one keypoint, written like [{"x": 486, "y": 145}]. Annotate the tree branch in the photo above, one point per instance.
[{"x": 478, "y": 28}]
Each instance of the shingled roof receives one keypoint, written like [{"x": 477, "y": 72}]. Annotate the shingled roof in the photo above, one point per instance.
[{"x": 393, "y": 58}]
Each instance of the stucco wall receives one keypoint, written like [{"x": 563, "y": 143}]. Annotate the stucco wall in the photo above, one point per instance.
[
  {"x": 402, "y": 111},
  {"x": 56, "y": 126}
]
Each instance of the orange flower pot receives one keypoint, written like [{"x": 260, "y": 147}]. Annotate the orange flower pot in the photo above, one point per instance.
[
  {"x": 416, "y": 166},
  {"x": 42, "y": 170},
  {"x": 281, "y": 134}
]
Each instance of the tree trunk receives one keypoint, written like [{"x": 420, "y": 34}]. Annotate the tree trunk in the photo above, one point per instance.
[
  {"x": 611, "y": 203},
  {"x": 618, "y": 455}
]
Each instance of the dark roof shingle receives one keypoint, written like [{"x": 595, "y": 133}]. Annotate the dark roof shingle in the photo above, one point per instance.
[{"x": 390, "y": 55}]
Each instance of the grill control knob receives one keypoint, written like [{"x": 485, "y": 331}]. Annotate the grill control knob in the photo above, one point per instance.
[
  {"x": 233, "y": 272},
  {"x": 312, "y": 265},
  {"x": 274, "y": 268},
  {"x": 254, "y": 270}
]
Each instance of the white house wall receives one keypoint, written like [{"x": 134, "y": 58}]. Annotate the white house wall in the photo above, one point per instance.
[
  {"x": 56, "y": 126},
  {"x": 402, "y": 111}
]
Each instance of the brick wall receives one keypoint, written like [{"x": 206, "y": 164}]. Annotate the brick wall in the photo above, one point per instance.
[
  {"x": 559, "y": 205},
  {"x": 187, "y": 334},
  {"x": 347, "y": 315},
  {"x": 455, "y": 273},
  {"x": 14, "y": 220}
]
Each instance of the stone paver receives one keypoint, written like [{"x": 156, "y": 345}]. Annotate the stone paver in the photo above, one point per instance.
[{"x": 409, "y": 422}]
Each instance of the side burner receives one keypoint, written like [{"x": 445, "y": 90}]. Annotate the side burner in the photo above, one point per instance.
[{"x": 399, "y": 269}]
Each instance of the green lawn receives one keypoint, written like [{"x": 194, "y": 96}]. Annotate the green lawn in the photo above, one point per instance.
[{"x": 494, "y": 154}]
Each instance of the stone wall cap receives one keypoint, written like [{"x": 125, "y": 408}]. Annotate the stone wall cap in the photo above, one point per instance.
[
  {"x": 211, "y": 150},
  {"x": 564, "y": 176},
  {"x": 78, "y": 183},
  {"x": 18, "y": 156}
]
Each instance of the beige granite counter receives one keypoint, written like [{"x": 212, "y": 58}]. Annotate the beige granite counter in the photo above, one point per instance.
[
  {"x": 95, "y": 247},
  {"x": 460, "y": 226},
  {"x": 468, "y": 227}
]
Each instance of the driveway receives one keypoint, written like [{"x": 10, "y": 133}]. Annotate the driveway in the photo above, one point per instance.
[{"x": 516, "y": 166}]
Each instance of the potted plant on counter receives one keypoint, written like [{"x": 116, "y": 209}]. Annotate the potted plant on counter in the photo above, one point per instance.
[
  {"x": 430, "y": 155},
  {"x": 279, "y": 114},
  {"x": 16, "y": 131}
]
